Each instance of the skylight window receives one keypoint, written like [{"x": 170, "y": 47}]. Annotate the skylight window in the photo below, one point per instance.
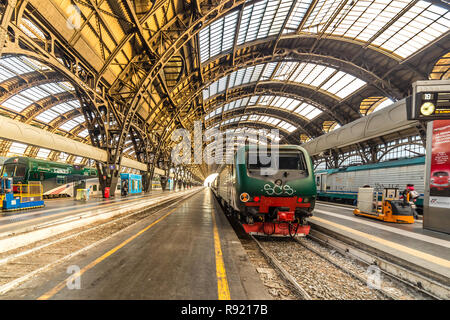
[
  {"x": 84, "y": 133},
  {"x": 58, "y": 110},
  {"x": 31, "y": 29},
  {"x": 264, "y": 119},
  {"x": 329, "y": 79},
  {"x": 17, "y": 149},
  {"x": 78, "y": 160},
  {"x": 420, "y": 24},
  {"x": 43, "y": 153},
  {"x": 262, "y": 19},
  {"x": 236, "y": 78},
  {"x": 301, "y": 6},
  {"x": 26, "y": 97},
  {"x": 69, "y": 125},
  {"x": 14, "y": 66},
  {"x": 383, "y": 105},
  {"x": 301, "y": 108},
  {"x": 218, "y": 36},
  {"x": 63, "y": 157}
]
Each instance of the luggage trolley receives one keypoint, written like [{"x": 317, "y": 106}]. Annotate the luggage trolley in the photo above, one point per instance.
[{"x": 390, "y": 209}]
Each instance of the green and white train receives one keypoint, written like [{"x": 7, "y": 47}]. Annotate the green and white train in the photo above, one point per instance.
[{"x": 271, "y": 204}]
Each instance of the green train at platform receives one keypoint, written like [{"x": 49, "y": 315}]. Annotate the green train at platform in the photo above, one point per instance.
[
  {"x": 52, "y": 175},
  {"x": 268, "y": 201}
]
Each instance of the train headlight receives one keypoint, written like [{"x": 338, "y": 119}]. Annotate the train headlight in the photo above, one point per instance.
[
  {"x": 306, "y": 199},
  {"x": 244, "y": 197}
]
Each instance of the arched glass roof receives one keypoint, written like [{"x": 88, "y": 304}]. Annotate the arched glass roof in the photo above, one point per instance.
[
  {"x": 58, "y": 110},
  {"x": 331, "y": 80},
  {"x": 25, "y": 98},
  {"x": 298, "y": 107},
  {"x": 14, "y": 66},
  {"x": 401, "y": 27},
  {"x": 262, "y": 119}
]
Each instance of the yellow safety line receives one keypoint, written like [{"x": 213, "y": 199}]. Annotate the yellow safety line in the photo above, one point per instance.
[
  {"x": 49, "y": 294},
  {"x": 223, "y": 290},
  {"x": 416, "y": 253}
]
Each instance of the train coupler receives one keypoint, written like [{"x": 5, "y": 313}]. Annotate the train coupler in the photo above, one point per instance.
[
  {"x": 277, "y": 229},
  {"x": 285, "y": 216}
]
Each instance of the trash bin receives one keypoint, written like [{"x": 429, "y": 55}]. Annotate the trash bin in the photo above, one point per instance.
[{"x": 106, "y": 193}]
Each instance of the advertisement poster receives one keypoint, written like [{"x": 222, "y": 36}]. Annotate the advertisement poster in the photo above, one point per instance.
[{"x": 440, "y": 165}]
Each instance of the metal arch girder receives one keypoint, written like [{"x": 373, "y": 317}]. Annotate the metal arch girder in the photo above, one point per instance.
[
  {"x": 21, "y": 86},
  {"x": 257, "y": 52},
  {"x": 254, "y": 125},
  {"x": 47, "y": 58},
  {"x": 44, "y": 104},
  {"x": 236, "y": 95},
  {"x": 28, "y": 77},
  {"x": 299, "y": 91},
  {"x": 326, "y": 100},
  {"x": 387, "y": 83},
  {"x": 192, "y": 30},
  {"x": 268, "y": 89},
  {"x": 278, "y": 113},
  {"x": 365, "y": 67}
]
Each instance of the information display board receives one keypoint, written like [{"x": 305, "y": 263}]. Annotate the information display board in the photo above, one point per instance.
[{"x": 430, "y": 100}]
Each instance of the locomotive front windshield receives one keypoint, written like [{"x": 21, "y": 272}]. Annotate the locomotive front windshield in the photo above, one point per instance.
[
  {"x": 14, "y": 170},
  {"x": 286, "y": 161}
]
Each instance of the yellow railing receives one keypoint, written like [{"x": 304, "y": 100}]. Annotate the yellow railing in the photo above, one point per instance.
[{"x": 28, "y": 192}]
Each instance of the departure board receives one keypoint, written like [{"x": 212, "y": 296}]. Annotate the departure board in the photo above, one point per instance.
[{"x": 431, "y": 100}]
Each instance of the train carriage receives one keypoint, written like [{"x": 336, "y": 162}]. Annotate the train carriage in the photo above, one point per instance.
[
  {"x": 342, "y": 184},
  {"x": 271, "y": 203},
  {"x": 52, "y": 175}
]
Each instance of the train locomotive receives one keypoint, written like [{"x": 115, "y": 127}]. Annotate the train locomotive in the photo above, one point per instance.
[{"x": 275, "y": 203}]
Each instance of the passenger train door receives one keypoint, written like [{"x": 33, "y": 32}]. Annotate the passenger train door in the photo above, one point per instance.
[{"x": 321, "y": 182}]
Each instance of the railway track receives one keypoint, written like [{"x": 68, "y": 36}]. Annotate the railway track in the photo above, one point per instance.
[
  {"x": 315, "y": 272},
  {"x": 20, "y": 265},
  {"x": 394, "y": 275}
]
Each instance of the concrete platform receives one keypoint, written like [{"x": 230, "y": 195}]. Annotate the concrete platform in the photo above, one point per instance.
[
  {"x": 57, "y": 209},
  {"x": 410, "y": 245},
  {"x": 189, "y": 252}
]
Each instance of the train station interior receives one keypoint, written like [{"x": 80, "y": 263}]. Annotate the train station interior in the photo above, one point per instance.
[{"x": 251, "y": 150}]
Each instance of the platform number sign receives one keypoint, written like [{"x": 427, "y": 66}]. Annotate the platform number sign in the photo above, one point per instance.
[{"x": 430, "y": 100}]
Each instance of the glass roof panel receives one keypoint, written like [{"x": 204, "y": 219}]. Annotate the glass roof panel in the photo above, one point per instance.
[
  {"x": 69, "y": 125},
  {"x": 31, "y": 29},
  {"x": 17, "y": 149},
  {"x": 264, "y": 119},
  {"x": 340, "y": 84},
  {"x": 419, "y": 24},
  {"x": 303, "y": 109},
  {"x": 218, "y": 37},
  {"x": 301, "y": 6},
  {"x": 236, "y": 78},
  {"x": 78, "y": 160},
  {"x": 43, "y": 153},
  {"x": 84, "y": 133},
  {"x": 17, "y": 65},
  {"x": 26, "y": 97}
]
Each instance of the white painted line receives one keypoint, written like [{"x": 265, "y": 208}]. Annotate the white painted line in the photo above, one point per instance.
[
  {"x": 409, "y": 234},
  {"x": 335, "y": 206}
]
